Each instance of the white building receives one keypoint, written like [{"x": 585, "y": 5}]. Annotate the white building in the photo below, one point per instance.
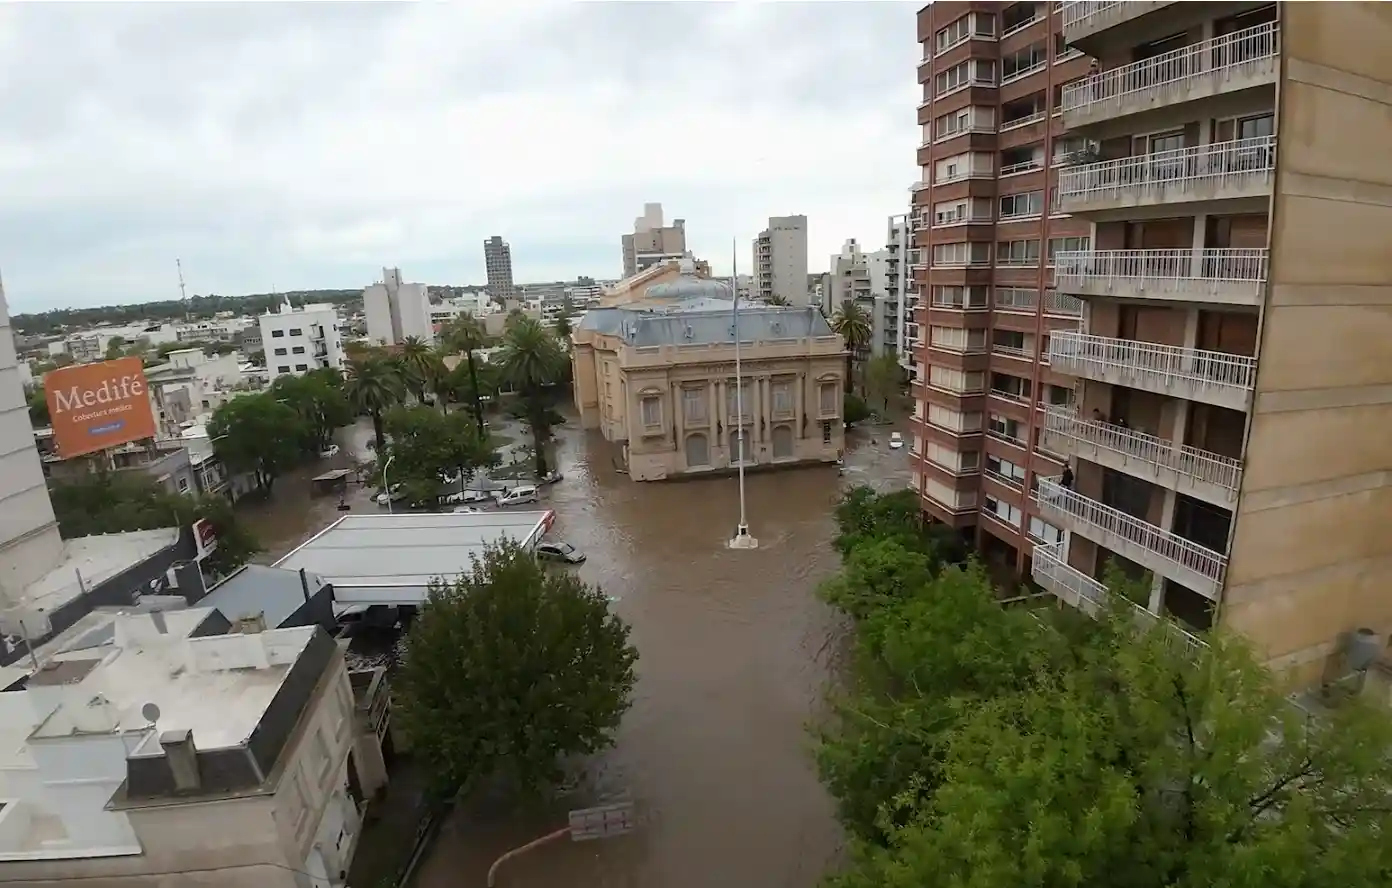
[
  {"x": 297, "y": 340},
  {"x": 394, "y": 310},
  {"x": 190, "y": 385},
  {"x": 162, "y": 750},
  {"x": 888, "y": 286},
  {"x": 214, "y": 330},
  {"x": 477, "y": 303},
  {"x": 780, "y": 261}
]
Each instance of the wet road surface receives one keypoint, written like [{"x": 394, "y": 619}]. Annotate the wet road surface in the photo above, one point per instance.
[{"x": 735, "y": 651}]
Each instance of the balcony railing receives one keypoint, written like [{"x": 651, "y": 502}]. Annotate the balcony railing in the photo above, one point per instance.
[
  {"x": 1151, "y": 365},
  {"x": 1200, "y": 465},
  {"x": 1236, "y": 164},
  {"x": 1016, "y": 123},
  {"x": 1078, "y": 14},
  {"x": 1169, "y": 554},
  {"x": 1178, "y": 69},
  {"x": 1025, "y": 166},
  {"x": 958, "y": 304},
  {"x": 1062, "y": 304},
  {"x": 1076, "y": 588},
  {"x": 1217, "y": 275}
]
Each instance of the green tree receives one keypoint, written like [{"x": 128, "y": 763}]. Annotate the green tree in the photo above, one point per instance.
[
  {"x": 317, "y": 397},
  {"x": 884, "y": 382},
  {"x": 115, "y": 347},
  {"x": 258, "y": 434},
  {"x": 855, "y": 327},
  {"x": 374, "y": 386},
  {"x": 533, "y": 362},
  {"x": 120, "y": 502},
  {"x": 466, "y": 336},
  {"x": 510, "y": 669},
  {"x": 776, "y": 300},
  {"x": 38, "y": 408},
  {"x": 421, "y": 367},
  {"x": 854, "y": 409},
  {"x": 429, "y": 449},
  {"x": 563, "y": 331}
]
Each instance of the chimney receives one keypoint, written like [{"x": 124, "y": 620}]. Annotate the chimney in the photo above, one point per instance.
[{"x": 182, "y": 756}]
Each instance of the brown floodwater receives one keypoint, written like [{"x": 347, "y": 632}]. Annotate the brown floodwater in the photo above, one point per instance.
[{"x": 735, "y": 653}]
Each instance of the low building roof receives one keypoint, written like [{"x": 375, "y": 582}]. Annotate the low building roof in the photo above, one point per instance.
[
  {"x": 275, "y": 593},
  {"x": 392, "y": 559}
]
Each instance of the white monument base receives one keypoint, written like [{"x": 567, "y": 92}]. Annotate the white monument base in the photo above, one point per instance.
[{"x": 742, "y": 539}]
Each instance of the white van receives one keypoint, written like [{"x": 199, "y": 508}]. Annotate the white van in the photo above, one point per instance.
[{"x": 517, "y": 495}]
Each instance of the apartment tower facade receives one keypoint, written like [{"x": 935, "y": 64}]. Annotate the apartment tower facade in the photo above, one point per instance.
[
  {"x": 1230, "y": 386},
  {"x": 780, "y": 261},
  {"x": 497, "y": 260},
  {"x": 652, "y": 242}
]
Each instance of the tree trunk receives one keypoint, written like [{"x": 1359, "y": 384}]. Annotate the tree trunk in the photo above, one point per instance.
[
  {"x": 478, "y": 396},
  {"x": 850, "y": 371},
  {"x": 377, "y": 432}
]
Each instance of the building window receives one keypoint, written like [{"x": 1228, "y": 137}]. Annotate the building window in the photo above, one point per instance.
[
  {"x": 737, "y": 405},
  {"x": 283, "y": 368},
  {"x": 828, "y": 394},
  {"x": 694, "y": 406},
  {"x": 826, "y": 432},
  {"x": 961, "y": 254},
  {"x": 1011, "y": 515},
  {"x": 280, "y": 353},
  {"x": 299, "y": 349},
  {"x": 301, "y": 368},
  {"x": 972, "y": 72},
  {"x": 651, "y": 411},
  {"x": 1007, "y": 428},
  {"x": 277, "y": 334},
  {"x": 1005, "y": 470},
  {"x": 782, "y": 396},
  {"x": 974, "y": 118},
  {"x": 1042, "y": 530},
  {"x": 1017, "y": 252},
  {"x": 974, "y": 24},
  {"x": 1021, "y": 206},
  {"x": 1068, "y": 245},
  {"x": 296, "y": 331},
  {"x": 183, "y": 485}
]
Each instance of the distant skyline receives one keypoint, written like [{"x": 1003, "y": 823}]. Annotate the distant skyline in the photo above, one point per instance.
[{"x": 305, "y": 146}]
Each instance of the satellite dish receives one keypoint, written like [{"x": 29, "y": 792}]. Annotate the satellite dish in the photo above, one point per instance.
[{"x": 150, "y": 712}]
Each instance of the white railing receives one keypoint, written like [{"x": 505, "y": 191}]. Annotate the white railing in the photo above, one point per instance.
[
  {"x": 1004, "y": 480},
  {"x": 1008, "y": 125},
  {"x": 1062, "y": 304},
  {"x": 1238, "y": 162},
  {"x": 1221, "y": 55},
  {"x": 1011, "y": 169},
  {"x": 1017, "y": 28},
  {"x": 1022, "y": 73},
  {"x": 958, "y": 304},
  {"x": 1200, "y": 465},
  {"x": 1168, "y": 546},
  {"x": 1011, "y": 351},
  {"x": 1167, "y": 362},
  {"x": 1078, "y": 13},
  {"x": 1067, "y": 582},
  {"x": 1141, "y": 266}
]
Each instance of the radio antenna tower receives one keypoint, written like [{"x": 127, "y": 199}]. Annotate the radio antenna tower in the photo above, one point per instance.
[{"x": 183, "y": 293}]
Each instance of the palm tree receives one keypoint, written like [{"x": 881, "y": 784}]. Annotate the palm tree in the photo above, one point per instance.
[
  {"x": 853, "y": 323},
  {"x": 777, "y": 300},
  {"x": 374, "y": 386},
  {"x": 562, "y": 328},
  {"x": 421, "y": 367},
  {"x": 533, "y": 360},
  {"x": 467, "y": 335}
]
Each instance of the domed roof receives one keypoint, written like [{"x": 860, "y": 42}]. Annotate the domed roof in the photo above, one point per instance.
[{"x": 689, "y": 286}]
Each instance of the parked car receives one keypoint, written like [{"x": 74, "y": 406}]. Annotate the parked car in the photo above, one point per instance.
[
  {"x": 394, "y": 495},
  {"x": 329, "y": 452},
  {"x": 517, "y": 495},
  {"x": 550, "y": 478},
  {"x": 467, "y": 496},
  {"x": 467, "y": 510},
  {"x": 559, "y": 550},
  {"x": 896, "y": 440}
]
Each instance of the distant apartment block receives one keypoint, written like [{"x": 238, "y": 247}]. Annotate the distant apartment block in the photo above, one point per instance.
[
  {"x": 652, "y": 242},
  {"x": 1135, "y": 273},
  {"x": 780, "y": 261},
  {"x": 298, "y": 340},
  {"x": 497, "y": 260},
  {"x": 396, "y": 310}
]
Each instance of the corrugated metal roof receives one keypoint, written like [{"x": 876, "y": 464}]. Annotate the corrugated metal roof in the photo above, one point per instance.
[{"x": 275, "y": 592}]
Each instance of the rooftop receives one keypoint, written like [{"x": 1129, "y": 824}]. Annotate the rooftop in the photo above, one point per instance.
[
  {"x": 275, "y": 593},
  {"x": 90, "y": 561}
]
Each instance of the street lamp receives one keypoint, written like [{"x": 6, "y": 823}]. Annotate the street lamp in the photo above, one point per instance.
[{"x": 385, "y": 485}]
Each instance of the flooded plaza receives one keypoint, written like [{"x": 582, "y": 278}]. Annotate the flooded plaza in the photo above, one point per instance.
[{"x": 735, "y": 650}]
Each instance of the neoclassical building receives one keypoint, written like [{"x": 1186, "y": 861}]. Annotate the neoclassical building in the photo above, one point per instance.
[{"x": 655, "y": 371}]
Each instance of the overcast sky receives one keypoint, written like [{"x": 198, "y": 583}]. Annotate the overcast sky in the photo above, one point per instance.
[{"x": 306, "y": 146}]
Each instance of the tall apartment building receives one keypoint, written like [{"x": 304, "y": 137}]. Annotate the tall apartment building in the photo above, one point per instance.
[
  {"x": 396, "y": 310},
  {"x": 497, "y": 260},
  {"x": 652, "y": 242},
  {"x": 1227, "y": 389},
  {"x": 298, "y": 340},
  {"x": 890, "y": 279},
  {"x": 780, "y": 261}
]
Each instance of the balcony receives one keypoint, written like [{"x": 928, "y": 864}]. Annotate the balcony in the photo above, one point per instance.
[
  {"x": 1198, "y": 473},
  {"x": 1077, "y": 589},
  {"x": 1085, "y": 20},
  {"x": 1242, "y": 169},
  {"x": 1160, "y": 551},
  {"x": 1209, "y": 377},
  {"x": 1243, "y": 60},
  {"x": 1223, "y": 276}
]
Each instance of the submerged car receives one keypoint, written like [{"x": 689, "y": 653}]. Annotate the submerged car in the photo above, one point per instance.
[
  {"x": 329, "y": 452},
  {"x": 557, "y": 550},
  {"x": 896, "y": 440}
]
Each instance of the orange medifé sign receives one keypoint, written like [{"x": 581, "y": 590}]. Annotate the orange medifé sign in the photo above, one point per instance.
[{"x": 94, "y": 406}]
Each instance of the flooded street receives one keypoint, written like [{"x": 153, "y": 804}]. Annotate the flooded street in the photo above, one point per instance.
[{"x": 734, "y": 653}]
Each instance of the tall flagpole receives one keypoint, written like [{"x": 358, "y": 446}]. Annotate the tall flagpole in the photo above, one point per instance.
[{"x": 742, "y": 538}]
